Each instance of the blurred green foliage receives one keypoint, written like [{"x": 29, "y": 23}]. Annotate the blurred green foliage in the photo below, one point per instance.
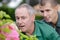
[
  {"x": 27, "y": 36},
  {"x": 38, "y": 17},
  {"x": 4, "y": 18},
  {"x": 9, "y": 11},
  {"x": 0, "y": 0},
  {"x": 58, "y": 1}
]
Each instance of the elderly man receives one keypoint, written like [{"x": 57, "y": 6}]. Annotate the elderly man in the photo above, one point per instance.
[
  {"x": 25, "y": 20},
  {"x": 49, "y": 11}
]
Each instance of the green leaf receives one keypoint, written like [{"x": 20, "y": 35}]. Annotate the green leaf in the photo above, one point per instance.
[
  {"x": 9, "y": 20},
  {"x": 1, "y": 14},
  {"x": 26, "y": 37},
  {"x": 1, "y": 23},
  {"x": 2, "y": 37},
  {"x": 7, "y": 30},
  {"x": 6, "y": 16}
]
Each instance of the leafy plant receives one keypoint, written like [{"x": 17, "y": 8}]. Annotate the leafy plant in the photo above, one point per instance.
[
  {"x": 27, "y": 37},
  {"x": 4, "y": 18}
]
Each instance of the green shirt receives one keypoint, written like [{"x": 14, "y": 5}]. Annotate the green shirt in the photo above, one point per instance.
[{"x": 45, "y": 32}]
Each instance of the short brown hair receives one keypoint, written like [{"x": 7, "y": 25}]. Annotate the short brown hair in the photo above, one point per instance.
[
  {"x": 52, "y": 2},
  {"x": 34, "y": 2}
]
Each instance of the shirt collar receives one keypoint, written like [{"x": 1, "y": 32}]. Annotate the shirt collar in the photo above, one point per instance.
[
  {"x": 37, "y": 31},
  {"x": 58, "y": 21}
]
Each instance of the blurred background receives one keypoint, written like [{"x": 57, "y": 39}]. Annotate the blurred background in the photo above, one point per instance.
[{"x": 9, "y": 6}]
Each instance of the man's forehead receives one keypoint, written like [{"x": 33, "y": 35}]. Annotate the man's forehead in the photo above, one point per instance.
[
  {"x": 47, "y": 4},
  {"x": 22, "y": 11},
  {"x": 45, "y": 7},
  {"x": 22, "y": 8}
]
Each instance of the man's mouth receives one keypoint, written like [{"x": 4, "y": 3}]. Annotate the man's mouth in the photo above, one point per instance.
[
  {"x": 46, "y": 18},
  {"x": 21, "y": 26}
]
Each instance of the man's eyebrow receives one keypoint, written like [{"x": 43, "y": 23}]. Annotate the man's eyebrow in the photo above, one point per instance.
[{"x": 47, "y": 9}]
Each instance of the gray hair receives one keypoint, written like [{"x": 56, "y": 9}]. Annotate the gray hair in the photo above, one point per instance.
[{"x": 29, "y": 8}]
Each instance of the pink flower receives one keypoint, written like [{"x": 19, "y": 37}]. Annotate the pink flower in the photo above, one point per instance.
[{"x": 13, "y": 35}]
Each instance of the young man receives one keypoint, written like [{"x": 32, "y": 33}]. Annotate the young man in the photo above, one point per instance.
[
  {"x": 49, "y": 10},
  {"x": 25, "y": 20}
]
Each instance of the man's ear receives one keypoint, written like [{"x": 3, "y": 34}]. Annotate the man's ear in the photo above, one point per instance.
[
  {"x": 33, "y": 17},
  {"x": 56, "y": 7}
]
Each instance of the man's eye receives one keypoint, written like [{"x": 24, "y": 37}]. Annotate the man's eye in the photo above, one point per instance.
[
  {"x": 47, "y": 10},
  {"x": 23, "y": 17},
  {"x": 17, "y": 17},
  {"x": 41, "y": 11}
]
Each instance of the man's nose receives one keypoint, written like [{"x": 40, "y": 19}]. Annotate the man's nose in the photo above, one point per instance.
[
  {"x": 20, "y": 21},
  {"x": 45, "y": 14}
]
